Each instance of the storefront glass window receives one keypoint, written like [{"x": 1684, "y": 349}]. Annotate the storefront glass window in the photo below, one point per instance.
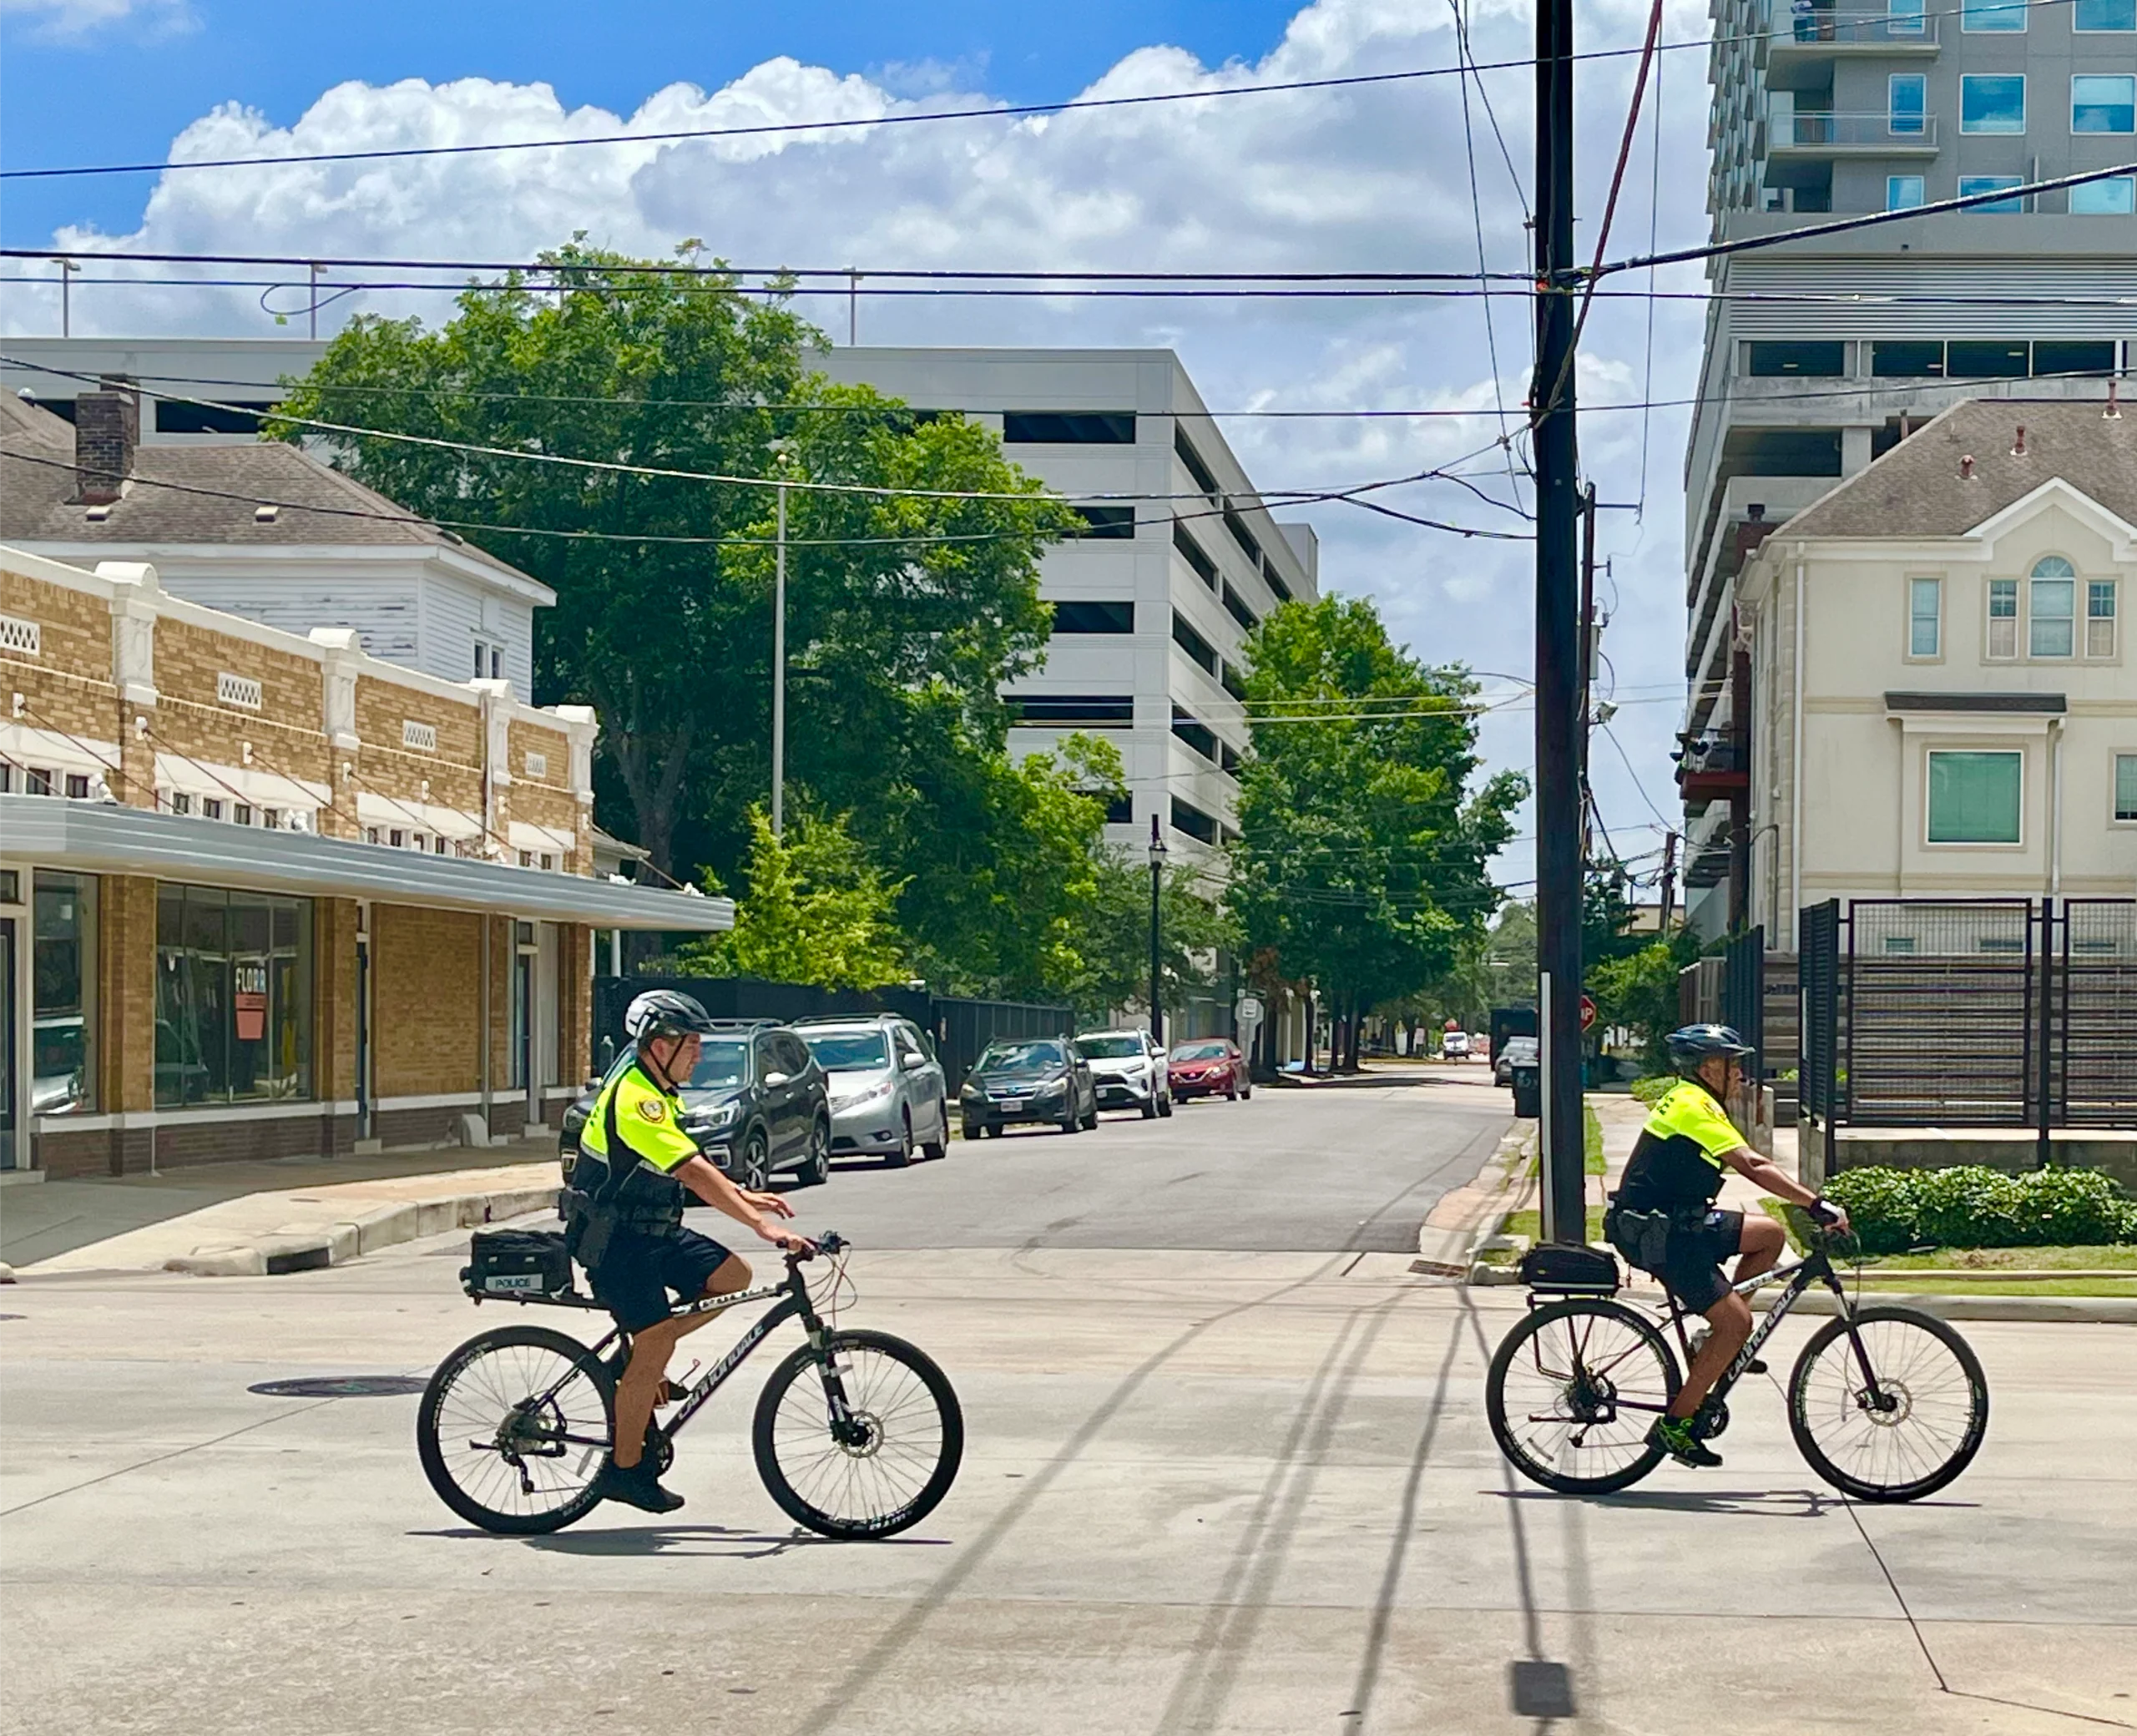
[
  {"x": 62, "y": 1009},
  {"x": 233, "y": 996}
]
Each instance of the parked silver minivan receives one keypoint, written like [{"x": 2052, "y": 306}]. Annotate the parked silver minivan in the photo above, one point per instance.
[{"x": 888, "y": 1095}]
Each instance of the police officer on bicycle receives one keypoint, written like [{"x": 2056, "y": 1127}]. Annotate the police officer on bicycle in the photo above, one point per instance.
[
  {"x": 623, "y": 1224},
  {"x": 1663, "y": 1219}
]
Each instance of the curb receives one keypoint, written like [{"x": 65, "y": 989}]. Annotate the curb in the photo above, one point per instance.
[
  {"x": 307, "y": 1247},
  {"x": 1450, "y": 1250}
]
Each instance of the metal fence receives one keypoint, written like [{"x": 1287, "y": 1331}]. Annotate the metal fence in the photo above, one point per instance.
[
  {"x": 1743, "y": 994},
  {"x": 960, "y": 1028},
  {"x": 1988, "y": 1013}
]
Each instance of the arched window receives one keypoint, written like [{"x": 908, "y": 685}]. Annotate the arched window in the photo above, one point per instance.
[{"x": 2051, "y": 608}]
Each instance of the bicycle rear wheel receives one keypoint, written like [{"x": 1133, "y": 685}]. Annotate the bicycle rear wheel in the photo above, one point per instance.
[
  {"x": 886, "y": 1464},
  {"x": 499, "y": 1453},
  {"x": 1573, "y": 1391},
  {"x": 1923, "y": 1427}
]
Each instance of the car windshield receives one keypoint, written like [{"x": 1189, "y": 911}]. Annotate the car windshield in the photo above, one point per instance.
[
  {"x": 1018, "y": 1057},
  {"x": 848, "y": 1051},
  {"x": 1198, "y": 1052},
  {"x": 1106, "y": 1048},
  {"x": 722, "y": 1062}
]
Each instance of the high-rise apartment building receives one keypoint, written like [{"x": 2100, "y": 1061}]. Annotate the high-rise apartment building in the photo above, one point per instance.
[{"x": 1823, "y": 354}]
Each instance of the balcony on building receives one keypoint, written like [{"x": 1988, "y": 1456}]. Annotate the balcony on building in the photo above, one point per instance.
[
  {"x": 1823, "y": 133},
  {"x": 1817, "y": 33},
  {"x": 1712, "y": 766}
]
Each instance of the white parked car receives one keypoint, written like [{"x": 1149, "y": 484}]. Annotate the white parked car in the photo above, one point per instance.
[
  {"x": 1454, "y": 1046},
  {"x": 1129, "y": 1068}
]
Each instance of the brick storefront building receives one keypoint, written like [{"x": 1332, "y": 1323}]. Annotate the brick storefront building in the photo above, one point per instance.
[{"x": 263, "y": 895}]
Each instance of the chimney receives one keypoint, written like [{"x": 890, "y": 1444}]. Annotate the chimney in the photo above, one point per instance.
[
  {"x": 2018, "y": 442},
  {"x": 107, "y": 429},
  {"x": 1754, "y": 531}
]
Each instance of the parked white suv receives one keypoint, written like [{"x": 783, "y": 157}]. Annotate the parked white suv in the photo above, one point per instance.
[
  {"x": 1454, "y": 1046},
  {"x": 1130, "y": 1071}
]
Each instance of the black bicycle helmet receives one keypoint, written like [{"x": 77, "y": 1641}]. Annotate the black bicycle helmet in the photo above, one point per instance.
[
  {"x": 1696, "y": 1043},
  {"x": 662, "y": 1013}
]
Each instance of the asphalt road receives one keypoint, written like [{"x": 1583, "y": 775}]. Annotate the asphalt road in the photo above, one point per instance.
[{"x": 1343, "y": 1167}]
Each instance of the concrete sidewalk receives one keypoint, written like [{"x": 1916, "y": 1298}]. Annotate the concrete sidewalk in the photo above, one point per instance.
[{"x": 282, "y": 1215}]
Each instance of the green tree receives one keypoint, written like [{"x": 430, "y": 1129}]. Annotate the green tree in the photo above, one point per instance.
[
  {"x": 906, "y": 610},
  {"x": 1360, "y": 860},
  {"x": 1116, "y": 938},
  {"x": 1640, "y": 989},
  {"x": 813, "y": 910}
]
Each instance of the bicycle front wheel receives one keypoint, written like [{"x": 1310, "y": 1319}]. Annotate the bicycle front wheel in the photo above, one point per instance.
[
  {"x": 861, "y": 1439},
  {"x": 1573, "y": 1391},
  {"x": 513, "y": 1428},
  {"x": 1897, "y": 1419}
]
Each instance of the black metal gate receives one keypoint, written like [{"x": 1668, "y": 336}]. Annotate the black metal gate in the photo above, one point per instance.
[
  {"x": 1982, "y": 1012},
  {"x": 1743, "y": 994}
]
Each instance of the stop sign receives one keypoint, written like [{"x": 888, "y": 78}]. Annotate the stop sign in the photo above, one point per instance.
[{"x": 1587, "y": 1012}]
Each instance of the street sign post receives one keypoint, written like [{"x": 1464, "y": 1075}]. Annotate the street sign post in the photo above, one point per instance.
[{"x": 1248, "y": 1010}]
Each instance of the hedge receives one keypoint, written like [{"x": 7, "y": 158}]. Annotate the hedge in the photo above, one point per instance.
[{"x": 1892, "y": 1210}]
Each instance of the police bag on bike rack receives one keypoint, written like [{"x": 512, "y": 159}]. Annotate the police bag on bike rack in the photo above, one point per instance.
[
  {"x": 516, "y": 1262},
  {"x": 1554, "y": 1266}
]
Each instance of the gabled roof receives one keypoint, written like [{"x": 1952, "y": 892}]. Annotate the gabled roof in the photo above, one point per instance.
[
  {"x": 1917, "y": 488},
  {"x": 204, "y": 494}
]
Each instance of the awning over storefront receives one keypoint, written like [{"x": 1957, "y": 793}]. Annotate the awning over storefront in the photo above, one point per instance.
[{"x": 106, "y": 839}]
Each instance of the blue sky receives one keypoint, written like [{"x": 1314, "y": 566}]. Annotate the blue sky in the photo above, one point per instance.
[{"x": 157, "y": 67}]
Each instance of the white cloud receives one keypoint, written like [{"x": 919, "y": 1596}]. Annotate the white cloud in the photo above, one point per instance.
[
  {"x": 72, "y": 20},
  {"x": 1366, "y": 177}
]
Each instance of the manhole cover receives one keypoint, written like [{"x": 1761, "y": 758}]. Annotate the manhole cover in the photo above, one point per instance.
[{"x": 341, "y": 1386}]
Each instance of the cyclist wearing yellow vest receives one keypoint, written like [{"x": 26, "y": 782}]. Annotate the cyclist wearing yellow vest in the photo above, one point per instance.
[
  {"x": 1663, "y": 1219},
  {"x": 625, "y": 1218}
]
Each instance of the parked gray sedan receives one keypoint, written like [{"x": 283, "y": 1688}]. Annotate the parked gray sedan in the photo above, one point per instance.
[{"x": 888, "y": 1095}]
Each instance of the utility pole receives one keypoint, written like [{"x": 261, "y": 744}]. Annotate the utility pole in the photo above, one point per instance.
[
  {"x": 779, "y": 657},
  {"x": 1587, "y": 626},
  {"x": 67, "y": 268},
  {"x": 1157, "y": 979},
  {"x": 1558, "y": 637},
  {"x": 1668, "y": 880}
]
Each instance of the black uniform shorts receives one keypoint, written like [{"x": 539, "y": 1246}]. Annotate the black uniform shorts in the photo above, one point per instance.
[
  {"x": 637, "y": 1272},
  {"x": 1692, "y": 1264}
]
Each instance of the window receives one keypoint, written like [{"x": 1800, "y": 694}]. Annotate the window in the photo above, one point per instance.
[
  {"x": 211, "y": 807},
  {"x": 1112, "y": 524},
  {"x": 233, "y": 996},
  {"x": 1193, "y": 643},
  {"x": 1193, "y": 460},
  {"x": 1925, "y": 615},
  {"x": 2099, "y": 617},
  {"x": 1903, "y": 17},
  {"x": 1238, "y": 610},
  {"x": 1095, "y": 617},
  {"x": 2116, "y": 196},
  {"x": 62, "y": 993},
  {"x": 1190, "y": 819},
  {"x": 1196, "y": 733},
  {"x": 1974, "y": 797},
  {"x": 2008, "y": 361},
  {"x": 2051, "y": 608},
  {"x": 2125, "y": 786},
  {"x": 2002, "y": 618},
  {"x": 1040, "y": 427},
  {"x": 2067, "y": 358},
  {"x": 1993, "y": 15},
  {"x": 1904, "y": 192},
  {"x": 1971, "y": 185},
  {"x": 1119, "y": 810},
  {"x": 1907, "y": 360},
  {"x": 2104, "y": 102},
  {"x": 2105, "y": 15},
  {"x": 1245, "y": 537},
  {"x": 1074, "y": 711},
  {"x": 78, "y": 786},
  {"x": 1993, "y": 102},
  {"x": 210, "y": 418},
  {"x": 1191, "y": 551},
  {"x": 181, "y": 802},
  {"x": 1907, "y": 102},
  {"x": 1809, "y": 361}
]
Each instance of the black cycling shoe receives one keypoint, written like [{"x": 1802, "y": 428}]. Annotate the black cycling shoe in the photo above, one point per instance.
[
  {"x": 1675, "y": 1436},
  {"x": 639, "y": 1487}
]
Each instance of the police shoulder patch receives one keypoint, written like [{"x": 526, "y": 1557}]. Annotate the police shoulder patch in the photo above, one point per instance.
[{"x": 652, "y": 1109}]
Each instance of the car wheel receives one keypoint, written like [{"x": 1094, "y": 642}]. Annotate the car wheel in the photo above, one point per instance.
[
  {"x": 1164, "y": 1105},
  {"x": 1090, "y": 1120},
  {"x": 994, "y": 1130},
  {"x": 1231, "y": 1093},
  {"x": 1150, "y": 1110},
  {"x": 816, "y": 1167},
  {"x": 903, "y": 1155},
  {"x": 939, "y": 1146},
  {"x": 753, "y": 1168},
  {"x": 1246, "y": 1092}
]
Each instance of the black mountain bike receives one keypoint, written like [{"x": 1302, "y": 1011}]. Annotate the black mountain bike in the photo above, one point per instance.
[
  {"x": 857, "y": 1434},
  {"x": 1886, "y": 1403}
]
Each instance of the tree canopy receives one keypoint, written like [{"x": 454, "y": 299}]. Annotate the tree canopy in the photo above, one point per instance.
[{"x": 1360, "y": 860}]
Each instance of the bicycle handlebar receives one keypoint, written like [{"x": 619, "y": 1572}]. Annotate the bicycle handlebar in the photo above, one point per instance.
[{"x": 830, "y": 1242}]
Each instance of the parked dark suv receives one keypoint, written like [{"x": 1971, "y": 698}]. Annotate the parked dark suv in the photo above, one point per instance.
[{"x": 757, "y": 1105}]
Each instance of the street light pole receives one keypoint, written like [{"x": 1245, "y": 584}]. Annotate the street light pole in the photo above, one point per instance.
[
  {"x": 1157, "y": 982},
  {"x": 779, "y": 659}
]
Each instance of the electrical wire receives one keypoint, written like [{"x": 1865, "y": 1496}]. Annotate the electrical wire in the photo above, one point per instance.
[
  {"x": 1483, "y": 266},
  {"x": 1634, "y": 775},
  {"x": 1647, "y": 363}
]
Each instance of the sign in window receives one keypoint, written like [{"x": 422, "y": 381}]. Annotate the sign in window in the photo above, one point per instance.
[
  {"x": 1975, "y": 797},
  {"x": 1993, "y": 103}
]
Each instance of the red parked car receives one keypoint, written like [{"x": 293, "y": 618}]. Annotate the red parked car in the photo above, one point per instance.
[{"x": 1207, "y": 1066}]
